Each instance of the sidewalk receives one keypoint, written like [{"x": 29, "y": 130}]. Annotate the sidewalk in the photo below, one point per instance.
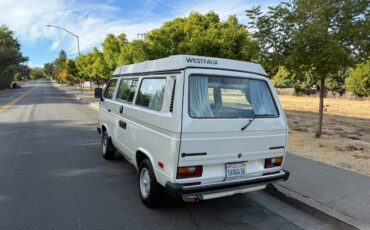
[
  {"x": 338, "y": 192},
  {"x": 84, "y": 97}
]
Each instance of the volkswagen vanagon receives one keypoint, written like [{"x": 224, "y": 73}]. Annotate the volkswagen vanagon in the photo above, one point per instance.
[{"x": 195, "y": 127}]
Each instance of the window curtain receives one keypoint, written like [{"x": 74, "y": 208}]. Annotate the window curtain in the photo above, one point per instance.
[
  {"x": 248, "y": 94},
  {"x": 155, "y": 102},
  {"x": 199, "y": 104},
  {"x": 260, "y": 98}
]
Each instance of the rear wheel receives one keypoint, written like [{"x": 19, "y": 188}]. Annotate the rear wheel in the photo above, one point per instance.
[
  {"x": 108, "y": 148},
  {"x": 150, "y": 190}
]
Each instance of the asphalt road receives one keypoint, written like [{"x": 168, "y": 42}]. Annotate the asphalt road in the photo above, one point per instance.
[{"x": 52, "y": 176}]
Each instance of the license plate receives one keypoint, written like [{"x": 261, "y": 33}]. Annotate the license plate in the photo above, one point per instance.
[{"x": 236, "y": 170}]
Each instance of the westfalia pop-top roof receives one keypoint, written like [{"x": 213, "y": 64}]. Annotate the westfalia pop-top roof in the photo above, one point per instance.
[{"x": 180, "y": 62}]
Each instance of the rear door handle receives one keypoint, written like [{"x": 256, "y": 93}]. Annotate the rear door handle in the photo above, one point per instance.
[
  {"x": 122, "y": 124},
  {"x": 109, "y": 110},
  {"x": 121, "y": 109}
]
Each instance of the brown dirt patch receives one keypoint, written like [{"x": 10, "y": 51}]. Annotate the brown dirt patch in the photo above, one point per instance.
[{"x": 346, "y": 138}]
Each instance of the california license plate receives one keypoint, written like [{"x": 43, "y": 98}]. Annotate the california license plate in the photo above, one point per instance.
[{"x": 236, "y": 170}]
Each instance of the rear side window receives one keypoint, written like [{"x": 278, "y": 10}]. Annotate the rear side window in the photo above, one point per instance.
[
  {"x": 109, "y": 90},
  {"x": 127, "y": 89},
  {"x": 151, "y": 93}
]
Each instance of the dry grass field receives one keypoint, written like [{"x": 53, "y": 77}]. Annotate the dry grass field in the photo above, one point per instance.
[{"x": 346, "y": 131}]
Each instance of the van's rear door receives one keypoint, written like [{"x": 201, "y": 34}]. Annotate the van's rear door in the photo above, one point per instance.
[{"x": 212, "y": 134}]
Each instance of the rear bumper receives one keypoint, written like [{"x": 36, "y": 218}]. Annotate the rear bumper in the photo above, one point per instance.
[{"x": 201, "y": 191}]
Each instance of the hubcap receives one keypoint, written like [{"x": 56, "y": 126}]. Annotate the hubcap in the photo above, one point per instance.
[
  {"x": 105, "y": 142},
  {"x": 144, "y": 182}
]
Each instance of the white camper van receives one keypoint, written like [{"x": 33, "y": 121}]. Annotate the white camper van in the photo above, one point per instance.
[{"x": 195, "y": 127}]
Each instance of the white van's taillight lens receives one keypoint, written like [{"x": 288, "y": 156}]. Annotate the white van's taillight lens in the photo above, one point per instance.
[
  {"x": 189, "y": 171},
  {"x": 273, "y": 162}
]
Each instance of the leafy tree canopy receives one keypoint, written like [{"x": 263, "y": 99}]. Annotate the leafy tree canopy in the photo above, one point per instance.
[
  {"x": 37, "y": 73},
  {"x": 313, "y": 39},
  {"x": 10, "y": 56},
  {"x": 202, "y": 35},
  {"x": 10, "y": 49}
]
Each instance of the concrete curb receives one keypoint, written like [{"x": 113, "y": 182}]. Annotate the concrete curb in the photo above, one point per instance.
[{"x": 315, "y": 208}]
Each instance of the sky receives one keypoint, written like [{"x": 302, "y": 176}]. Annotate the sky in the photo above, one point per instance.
[{"x": 92, "y": 20}]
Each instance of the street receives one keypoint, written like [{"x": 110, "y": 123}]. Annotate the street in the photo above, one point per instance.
[{"x": 52, "y": 176}]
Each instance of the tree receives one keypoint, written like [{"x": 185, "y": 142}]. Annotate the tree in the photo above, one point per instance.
[
  {"x": 84, "y": 66},
  {"x": 282, "y": 78},
  {"x": 72, "y": 72},
  {"x": 201, "y": 35},
  {"x": 37, "y": 73},
  {"x": 49, "y": 70},
  {"x": 336, "y": 82},
  {"x": 197, "y": 34},
  {"x": 100, "y": 70},
  {"x": 60, "y": 66},
  {"x": 62, "y": 57},
  {"x": 133, "y": 52},
  {"x": 10, "y": 56},
  {"x": 301, "y": 82},
  {"x": 273, "y": 34},
  {"x": 313, "y": 37},
  {"x": 22, "y": 72},
  {"x": 63, "y": 76},
  {"x": 111, "y": 51},
  {"x": 358, "y": 82}
]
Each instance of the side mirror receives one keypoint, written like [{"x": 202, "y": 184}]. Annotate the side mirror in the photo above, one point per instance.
[{"x": 98, "y": 92}]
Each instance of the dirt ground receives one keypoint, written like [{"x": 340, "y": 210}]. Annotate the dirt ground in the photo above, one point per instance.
[{"x": 346, "y": 131}]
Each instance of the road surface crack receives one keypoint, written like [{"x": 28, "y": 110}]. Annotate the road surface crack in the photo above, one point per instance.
[{"x": 191, "y": 217}]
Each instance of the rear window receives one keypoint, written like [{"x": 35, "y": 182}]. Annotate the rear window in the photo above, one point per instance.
[
  {"x": 126, "y": 90},
  {"x": 229, "y": 97},
  {"x": 151, "y": 93}
]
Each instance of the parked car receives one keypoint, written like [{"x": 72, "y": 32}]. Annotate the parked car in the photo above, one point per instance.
[{"x": 195, "y": 127}]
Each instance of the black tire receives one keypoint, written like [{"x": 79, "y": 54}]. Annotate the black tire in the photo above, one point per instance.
[
  {"x": 153, "y": 196},
  {"x": 107, "y": 146}
]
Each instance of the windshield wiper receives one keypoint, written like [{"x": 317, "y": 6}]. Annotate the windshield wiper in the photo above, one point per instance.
[
  {"x": 254, "y": 117},
  {"x": 265, "y": 115},
  {"x": 249, "y": 122}
]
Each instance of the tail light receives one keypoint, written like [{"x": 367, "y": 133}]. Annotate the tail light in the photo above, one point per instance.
[
  {"x": 273, "y": 162},
  {"x": 189, "y": 171}
]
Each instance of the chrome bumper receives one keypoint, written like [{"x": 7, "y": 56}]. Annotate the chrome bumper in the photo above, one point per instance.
[{"x": 179, "y": 191}]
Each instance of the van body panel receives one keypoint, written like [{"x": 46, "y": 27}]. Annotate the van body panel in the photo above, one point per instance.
[
  {"x": 172, "y": 138},
  {"x": 230, "y": 147},
  {"x": 156, "y": 132},
  {"x": 221, "y": 140},
  {"x": 105, "y": 108}
]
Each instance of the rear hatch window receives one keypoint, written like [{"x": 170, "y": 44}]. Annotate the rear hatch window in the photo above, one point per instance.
[{"x": 230, "y": 97}]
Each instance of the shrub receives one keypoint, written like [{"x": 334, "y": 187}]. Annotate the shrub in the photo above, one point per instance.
[{"x": 358, "y": 82}]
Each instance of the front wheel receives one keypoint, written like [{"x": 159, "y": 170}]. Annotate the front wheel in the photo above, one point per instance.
[
  {"x": 108, "y": 148},
  {"x": 150, "y": 190}
]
